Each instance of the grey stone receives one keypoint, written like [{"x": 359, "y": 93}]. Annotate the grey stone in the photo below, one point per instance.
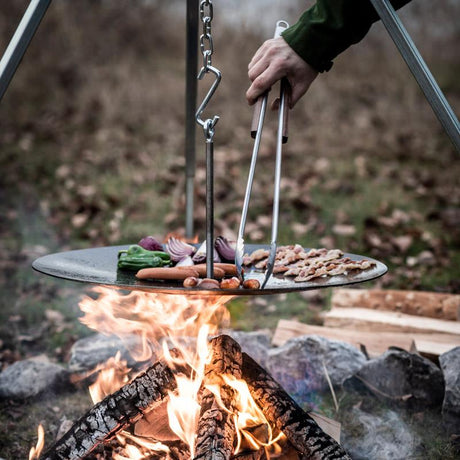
[
  {"x": 300, "y": 365},
  {"x": 450, "y": 365},
  {"x": 256, "y": 344},
  {"x": 88, "y": 352},
  {"x": 404, "y": 378},
  {"x": 30, "y": 378}
]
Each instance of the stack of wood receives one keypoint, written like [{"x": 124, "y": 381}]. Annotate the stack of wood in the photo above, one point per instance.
[
  {"x": 143, "y": 399},
  {"x": 423, "y": 322}
]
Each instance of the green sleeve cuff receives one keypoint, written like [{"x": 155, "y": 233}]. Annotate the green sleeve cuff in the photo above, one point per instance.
[{"x": 330, "y": 27}]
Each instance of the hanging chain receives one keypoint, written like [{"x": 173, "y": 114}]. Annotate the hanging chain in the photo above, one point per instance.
[{"x": 206, "y": 47}]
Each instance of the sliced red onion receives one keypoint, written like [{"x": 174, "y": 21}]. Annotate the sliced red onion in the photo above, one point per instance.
[
  {"x": 185, "y": 262},
  {"x": 200, "y": 255},
  {"x": 177, "y": 249},
  {"x": 225, "y": 248},
  {"x": 150, "y": 244}
]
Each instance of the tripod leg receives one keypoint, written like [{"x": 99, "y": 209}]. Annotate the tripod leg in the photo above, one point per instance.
[
  {"x": 419, "y": 70},
  {"x": 20, "y": 41}
]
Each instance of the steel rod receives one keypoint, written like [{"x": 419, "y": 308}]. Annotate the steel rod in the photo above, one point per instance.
[
  {"x": 20, "y": 41},
  {"x": 277, "y": 183},
  {"x": 252, "y": 168},
  {"x": 209, "y": 209},
  {"x": 419, "y": 70},
  {"x": 191, "y": 56}
]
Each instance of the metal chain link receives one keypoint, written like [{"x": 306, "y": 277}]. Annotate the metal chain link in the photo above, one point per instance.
[
  {"x": 207, "y": 48},
  {"x": 206, "y": 45}
]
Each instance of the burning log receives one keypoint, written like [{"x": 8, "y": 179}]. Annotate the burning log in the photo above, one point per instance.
[
  {"x": 216, "y": 429},
  {"x": 113, "y": 413},
  {"x": 284, "y": 413}
]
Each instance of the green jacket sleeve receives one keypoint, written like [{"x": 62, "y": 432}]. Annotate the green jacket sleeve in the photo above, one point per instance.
[{"x": 330, "y": 27}]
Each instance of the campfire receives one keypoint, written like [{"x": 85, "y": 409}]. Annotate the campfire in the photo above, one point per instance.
[{"x": 193, "y": 394}]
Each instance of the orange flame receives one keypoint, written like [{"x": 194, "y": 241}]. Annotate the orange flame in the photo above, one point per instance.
[
  {"x": 37, "y": 450},
  {"x": 150, "y": 325}
]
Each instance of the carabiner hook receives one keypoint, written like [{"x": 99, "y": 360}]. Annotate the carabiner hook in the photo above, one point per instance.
[{"x": 208, "y": 125}]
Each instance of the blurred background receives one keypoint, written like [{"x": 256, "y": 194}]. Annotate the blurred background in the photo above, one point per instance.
[{"x": 92, "y": 153}]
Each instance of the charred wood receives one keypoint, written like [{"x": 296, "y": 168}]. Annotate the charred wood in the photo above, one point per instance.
[
  {"x": 216, "y": 429},
  {"x": 113, "y": 413},
  {"x": 284, "y": 413}
]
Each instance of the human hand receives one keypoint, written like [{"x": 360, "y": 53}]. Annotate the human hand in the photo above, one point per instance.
[{"x": 274, "y": 60}]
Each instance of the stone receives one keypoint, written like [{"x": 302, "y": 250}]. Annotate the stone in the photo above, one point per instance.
[
  {"x": 300, "y": 365},
  {"x": 256, "y": 344},
  {"x": 450, "y": 365},
  {"x": 30, "y": 378},
  {"x": 404, "y": 378},
  {"x": 88, "y": 352}
]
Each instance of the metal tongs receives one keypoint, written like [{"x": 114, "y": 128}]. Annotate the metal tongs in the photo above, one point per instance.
[{"x": 256, "y": 133}]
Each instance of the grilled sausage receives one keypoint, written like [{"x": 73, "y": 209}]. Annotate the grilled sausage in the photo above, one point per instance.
[
  {"x": 166, "y": 273},
  {"x": 209, "y": 283},
  {"x": 191, "y": 281},
  {"x": 251, "y": 284},
  {"x": 219, "y": 273},
  {"x": 230, "y": 283}
]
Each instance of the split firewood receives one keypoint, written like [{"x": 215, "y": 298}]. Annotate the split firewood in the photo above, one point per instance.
[
  {"x": 284, "y": 413},
  {"x": 216, "y": 430},
  {"x": 418, "y": 303},
  {"x": 115, "y": 412},
  {"x": 365, "y": 319}
]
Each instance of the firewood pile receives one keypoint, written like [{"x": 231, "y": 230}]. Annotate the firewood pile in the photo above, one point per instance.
[
  {"x": 374, "y": 320},
  {"x": 143, "y": 398}
]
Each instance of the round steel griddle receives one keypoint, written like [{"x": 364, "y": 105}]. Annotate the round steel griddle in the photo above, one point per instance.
[{"x": 99, "y": 266}]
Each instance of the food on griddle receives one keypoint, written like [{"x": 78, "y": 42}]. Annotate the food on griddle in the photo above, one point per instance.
[
  {"x": 294, "y": 261},
  {"x": 136, "y": 257},
  {"x": 150, "y": 243},
  {"x": 181, "y": 261},
  {"x": 209, "y": 283},
  {"x": 219, "y": 273},
  {"x": 191, "y": 281},
  {"x": 167, "y": 273},
  {"x": 230, "y": 283},
  {"x": 225, "y": 248},
  {"x": 251, "y": 284},
  {"x": 179, "y": 250},
  {"x": 229, "y": 269},
  {"x": 200, "y": 255}
]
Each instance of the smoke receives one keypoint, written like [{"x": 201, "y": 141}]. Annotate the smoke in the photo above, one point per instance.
[{"x": 383, "y": 436}]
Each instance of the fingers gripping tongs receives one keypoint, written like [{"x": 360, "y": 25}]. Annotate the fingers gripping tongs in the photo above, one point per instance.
[{"x": 281, "y": 138}]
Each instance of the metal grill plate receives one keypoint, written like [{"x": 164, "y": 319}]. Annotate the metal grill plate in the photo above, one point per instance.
[{"x": 99, "y": 266}]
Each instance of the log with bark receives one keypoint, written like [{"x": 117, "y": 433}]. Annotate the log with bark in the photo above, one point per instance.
[
  {"x": 115, "y": 412},
  {"x": 284, "y": 413},
  {"x": 216, "y": 429}
]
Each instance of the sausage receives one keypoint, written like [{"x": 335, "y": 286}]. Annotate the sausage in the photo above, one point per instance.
[
  {"x": 209, "y": 283},
  {"x": 191, "y": 281},
  {"x": 166, "y": 273},
  {"x": 230, "y": 283},
  {"x": 202, "y": 271},
  {"x": 230, "y": 269},
  {"x": 251, "y": 284}
]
